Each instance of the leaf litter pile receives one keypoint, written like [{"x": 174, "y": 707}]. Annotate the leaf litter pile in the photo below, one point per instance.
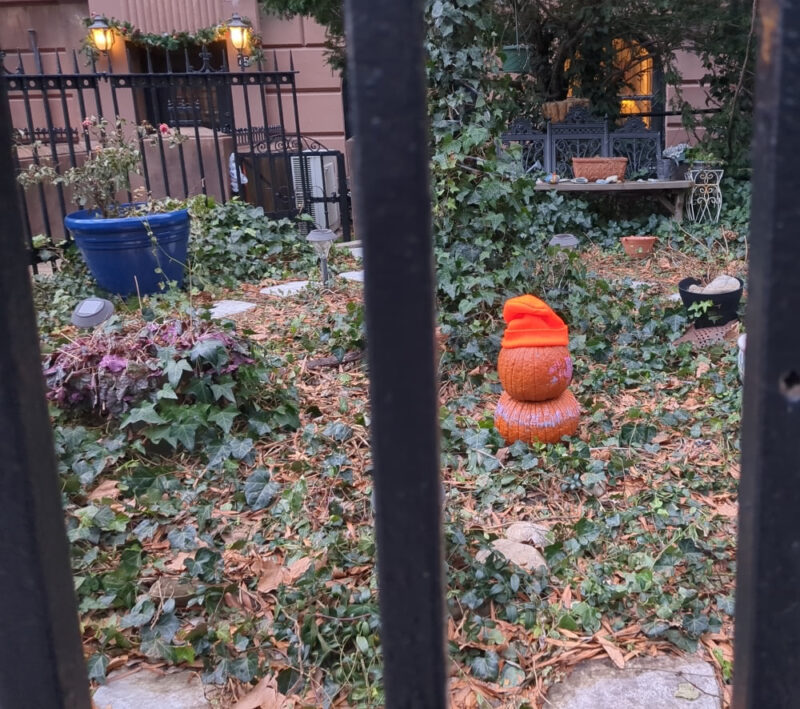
[{"x": 246, "y": 551}]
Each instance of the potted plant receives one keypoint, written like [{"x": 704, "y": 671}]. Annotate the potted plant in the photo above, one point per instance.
[
  {"x": 516, "y": 57},
  {"x": 702, "y": 158},
  {"x": 672, "y": 163},
  {"x": 712, "y": 305},
  {"x": 129, "y": 248},
  {"x": 639, "y": 246}
]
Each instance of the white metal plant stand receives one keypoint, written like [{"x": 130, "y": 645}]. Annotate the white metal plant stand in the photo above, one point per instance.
[{"x": 705, "y": 198}]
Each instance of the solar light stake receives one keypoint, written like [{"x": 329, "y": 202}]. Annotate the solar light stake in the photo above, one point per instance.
[{"x": 322, "y": 240}]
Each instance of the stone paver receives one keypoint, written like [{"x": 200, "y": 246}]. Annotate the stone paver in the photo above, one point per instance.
[
  {"x": 664, "y": 682},
  {"x": 528, "y": 532},
  {"x": 353, "y": 276},
  {"x": 285, "y": 289},
  {"x": 523, "y": 555},
  {"x": 354, "y": 247},
  {"x": 150, "y": 690},
  {"x": 226, "y": 308}
]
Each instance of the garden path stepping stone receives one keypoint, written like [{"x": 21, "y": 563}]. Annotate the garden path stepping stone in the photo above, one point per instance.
[
  {"x": 353, "y": 276},
  {"x": 355, "y": 248},
  {"x": 529, "y": 532},
  {"x": 664, "y": 682},
  {"x": 523, "y": 555},
  {"x": 285, "y": 289},
  {"x": 226, "y": 308},
  {"x": 140, "y": 690}
]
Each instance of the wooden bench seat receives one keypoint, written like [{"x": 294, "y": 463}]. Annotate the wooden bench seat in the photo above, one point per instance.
[{"x": 670, "y": 193}]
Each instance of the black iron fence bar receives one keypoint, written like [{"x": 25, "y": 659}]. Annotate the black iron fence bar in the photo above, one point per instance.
[
  {"x": 344, "y": 202},
  {"x": 215, "y": 132},
  {"x": 284, "y": 143},
  {"x": 262, "y": 93},
  {"x": 41, "y": 658},
  {"x": 65, "y": 115},
  {"x": 158, "y": 120},
  {"x": 305, "y": 179},
  {"x": 22, "y": 82},
  {"x": 256, "y": 177},
  {"x": 115, "y": 105},
  {"x": 48, "y": 117},
  {"x": 235, "y": 174},
  {"x": 79, "y": 82},
  {"x": 142, "y": 151},
  {"x": 386, "y": 58},
  {"x": 198, "y": 145},
  {"x": 767, "y": 629}
]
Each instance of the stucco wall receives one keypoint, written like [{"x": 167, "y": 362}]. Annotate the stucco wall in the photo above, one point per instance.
[{"x": 691, "y": 71}]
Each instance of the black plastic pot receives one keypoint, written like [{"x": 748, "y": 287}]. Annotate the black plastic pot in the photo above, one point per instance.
[{"x": 725, "y": 307}]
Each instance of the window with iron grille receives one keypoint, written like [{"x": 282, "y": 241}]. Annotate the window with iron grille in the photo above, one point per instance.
[{"x": 192, "y": 95}]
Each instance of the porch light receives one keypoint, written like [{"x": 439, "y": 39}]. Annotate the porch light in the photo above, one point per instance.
[
  {"x": 322, "y": 240},
  {"x": 102, "y": 35},
  {"x": 239, "y": 32}
]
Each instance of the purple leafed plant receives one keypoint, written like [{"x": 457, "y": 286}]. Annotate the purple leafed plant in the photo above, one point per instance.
[{"x": 113, "y": 369}]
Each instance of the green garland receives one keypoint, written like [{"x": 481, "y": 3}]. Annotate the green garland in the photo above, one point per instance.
[{"x": 171, "y": 41}]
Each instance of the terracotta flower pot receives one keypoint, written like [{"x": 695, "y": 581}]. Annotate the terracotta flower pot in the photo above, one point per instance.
[{"x": 638, "y": 246}]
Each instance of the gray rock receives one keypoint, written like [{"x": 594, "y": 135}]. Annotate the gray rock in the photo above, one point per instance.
[
  {"x": 664, "y": 682},
  {"x": 523, "y": 555},
  {"x": 721, "y": 284},
  {"x": 285, "y": 289},
  {"x": 564, "y": 241},
  {"x": 529, "y": 532},
  {"x": 353, "y": 276},
  {"x": 144, "y": 689},
  {"x": 226, "y": 308}
]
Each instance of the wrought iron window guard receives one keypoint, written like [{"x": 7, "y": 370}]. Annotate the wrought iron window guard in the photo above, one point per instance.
[{"x": 583, "y": 135}]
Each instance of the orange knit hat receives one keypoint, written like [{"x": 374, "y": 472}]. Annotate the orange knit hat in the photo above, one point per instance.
[{"x": 532, "y": 323}]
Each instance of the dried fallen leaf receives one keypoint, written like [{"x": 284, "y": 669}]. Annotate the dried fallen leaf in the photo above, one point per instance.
[
  {"x": 613, "y": 652},
  {"x": 264, "y": 695},
  {"x": 107, "y": 488},
  {"x": 298, "y": 568},
  {"x": 271, "y": 575}
]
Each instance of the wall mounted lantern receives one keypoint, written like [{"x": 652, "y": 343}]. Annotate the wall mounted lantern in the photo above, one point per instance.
[
  {"x": 239, "y": 32},
  {"x": 102, "y": 35}
]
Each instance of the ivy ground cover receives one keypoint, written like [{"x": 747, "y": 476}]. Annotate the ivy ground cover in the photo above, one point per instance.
[{"x": 217, "y": 487}]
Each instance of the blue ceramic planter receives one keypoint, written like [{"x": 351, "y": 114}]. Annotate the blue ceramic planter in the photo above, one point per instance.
[{"x": 120, "y": 252}]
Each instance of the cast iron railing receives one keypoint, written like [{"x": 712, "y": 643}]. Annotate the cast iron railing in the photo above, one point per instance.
[
  {"x": 247, "y": 117},
  {"x": 581, "y": 135}
]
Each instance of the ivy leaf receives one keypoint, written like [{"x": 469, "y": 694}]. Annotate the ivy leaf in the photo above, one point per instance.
[
  {"x": 338, "y": 431},
  {"x": 211, "y": 350},
  {"x": 258, "y": 490},
  {"x": 157, "y": 641},
  {"x": 696, "y": 625},
  {"x": 240, "y": 447},
  {"x": 244, "y": 668},
  {"x": 146, "y": 413},
  {"x": 174, "y": 370},
  {"x": 184, "y": 539},
  {"x": 486, "y": 666},
  {"x": 224, "y": 390},
  {"x": 139, "y": 615},
  {"x": 97, "y": 665},
  {"x": 225, "y": 418},
  {"x": 631, "y": 433}
]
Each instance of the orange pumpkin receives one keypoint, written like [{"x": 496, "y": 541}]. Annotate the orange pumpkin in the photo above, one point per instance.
[
  {"x": 534, "y": 373},
  {"x": 537, "y": 421}
]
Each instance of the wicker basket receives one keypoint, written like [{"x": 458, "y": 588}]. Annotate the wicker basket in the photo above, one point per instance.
[{"x": 599, "y": 168}]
